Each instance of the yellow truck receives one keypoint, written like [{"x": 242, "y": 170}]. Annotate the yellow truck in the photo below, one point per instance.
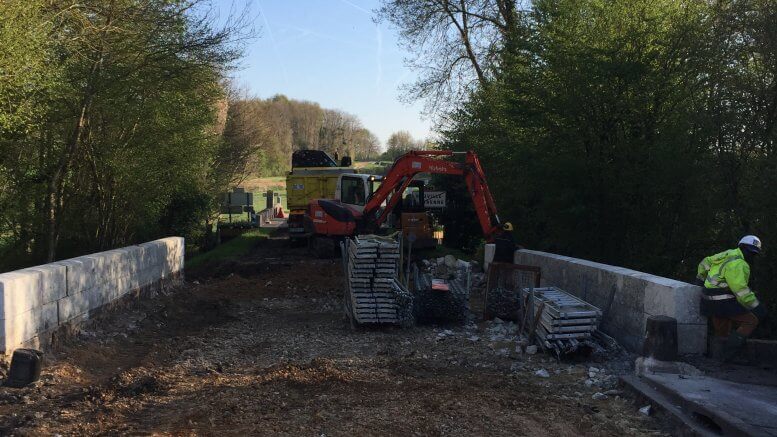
[{"x": 313, "y": 175}]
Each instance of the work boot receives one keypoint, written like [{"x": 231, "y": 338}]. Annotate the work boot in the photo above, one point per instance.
[{"x": 733, "y": 345}]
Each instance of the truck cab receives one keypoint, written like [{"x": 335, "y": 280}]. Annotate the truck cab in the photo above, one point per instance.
[
  {"x": 354, "y": 190},
  {"x": 352, "y": 193}
]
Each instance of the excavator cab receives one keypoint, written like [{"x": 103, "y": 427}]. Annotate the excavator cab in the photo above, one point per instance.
[{"x": 413, "y": 218}]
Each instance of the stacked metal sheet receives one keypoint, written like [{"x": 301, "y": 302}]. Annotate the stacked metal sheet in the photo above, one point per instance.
[
  {"x": 565, "y": 319},
  {"x": 374, "y": 295}
]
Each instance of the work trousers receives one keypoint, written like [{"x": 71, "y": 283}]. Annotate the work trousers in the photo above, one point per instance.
[{"x": 746, "y": 322}]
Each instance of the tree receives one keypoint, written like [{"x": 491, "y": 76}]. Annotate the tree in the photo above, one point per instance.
[
  {"x": 367, "y": 145},
  {"x": 639, "y": 133},
  {"x": 277, "y": 126},
  {"x": 122, "y": 122},
  {"x": 399, "y": 143},
  {"x": 455, "y": 44}
]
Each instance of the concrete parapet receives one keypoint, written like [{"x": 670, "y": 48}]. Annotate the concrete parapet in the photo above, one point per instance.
[
  {"x": 627, "y": 298},
  {"x": 35, "y": 301}
]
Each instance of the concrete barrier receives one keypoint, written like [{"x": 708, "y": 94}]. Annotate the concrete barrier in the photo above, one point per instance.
[
  {"x": 37, "y": 301},
  {"x": 627, "y": 298}
]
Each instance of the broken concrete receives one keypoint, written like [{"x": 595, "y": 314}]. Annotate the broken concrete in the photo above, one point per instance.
[
  {"x": 36, "y": 301},
  {"x": 627, "y": 298}
]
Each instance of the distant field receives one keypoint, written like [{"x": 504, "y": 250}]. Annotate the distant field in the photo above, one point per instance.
[
  {"x": 363, "y": 164},
  {"x": 372, "y": 167},
  {"x": 257, "y": 185}
]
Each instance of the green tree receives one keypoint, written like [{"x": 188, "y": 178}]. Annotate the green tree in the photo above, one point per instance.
[
  {"x": 638, "y": 133},
  {"x": 121, "y": 123}
]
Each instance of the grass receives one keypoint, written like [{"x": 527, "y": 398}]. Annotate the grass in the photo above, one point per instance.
[
  {"x": 263, "y": 184},
  {"x": 233, "y": 248},
  {"x": 369, "y": 167},
  {"x": 259, "y": 186}
]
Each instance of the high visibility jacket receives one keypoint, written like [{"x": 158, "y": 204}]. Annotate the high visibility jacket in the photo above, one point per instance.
[{"x": 728, "y": 271}]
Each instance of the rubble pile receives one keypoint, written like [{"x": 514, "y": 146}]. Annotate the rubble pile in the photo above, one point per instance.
[
  {"x": 500, "y": 330},
  {"x": 504, "y": 303},
  {"x": 374, "y": 295},
  {"x": 442, "y": 289}
]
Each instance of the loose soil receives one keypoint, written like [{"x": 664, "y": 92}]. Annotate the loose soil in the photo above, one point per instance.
[{"x": 260, "y": 346}]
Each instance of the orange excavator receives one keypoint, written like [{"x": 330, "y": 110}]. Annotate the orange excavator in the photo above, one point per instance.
[{"x": 359, "y": 208}]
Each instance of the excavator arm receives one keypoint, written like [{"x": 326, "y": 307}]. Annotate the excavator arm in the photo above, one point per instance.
[{"x": 399, "y": 177}]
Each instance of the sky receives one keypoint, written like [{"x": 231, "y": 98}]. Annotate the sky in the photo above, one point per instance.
[{"x": 330, "y": 52}]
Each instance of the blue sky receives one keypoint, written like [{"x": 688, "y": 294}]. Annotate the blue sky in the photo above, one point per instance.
[{"x": 330, "y": 52}]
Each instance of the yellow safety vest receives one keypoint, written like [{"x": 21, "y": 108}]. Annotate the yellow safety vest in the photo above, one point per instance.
[{"x": 728, "y": 270}]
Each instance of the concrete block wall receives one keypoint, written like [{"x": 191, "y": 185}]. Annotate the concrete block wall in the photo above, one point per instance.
[
  {"x": 627, "y": 298},
  {"x": 36, "y": 301}
]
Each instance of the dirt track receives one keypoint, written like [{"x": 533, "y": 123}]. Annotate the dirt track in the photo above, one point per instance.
[{"x": 260, "y": 347}]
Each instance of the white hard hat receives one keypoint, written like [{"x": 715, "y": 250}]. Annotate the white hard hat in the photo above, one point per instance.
[{"x": 752, "y": 241}]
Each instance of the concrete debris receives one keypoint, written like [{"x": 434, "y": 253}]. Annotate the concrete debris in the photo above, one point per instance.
[
  {"x": 646, "y": 410},
  {"x": 499, "y": 330},
  {"x": 516, "y": 367},
  {"x": 444, "y": 333},
  {"x": 473, "y": 338},
  {"x": 542, "y": 373},
  {"x": 599, "y": 396},
  {"x": 600, "y": 379},
  {"x": 649, "y": 366},
  {"x": 531, "y": 350}
]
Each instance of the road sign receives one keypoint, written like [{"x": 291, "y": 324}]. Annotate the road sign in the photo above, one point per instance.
[{"x": 434, "y": 199}]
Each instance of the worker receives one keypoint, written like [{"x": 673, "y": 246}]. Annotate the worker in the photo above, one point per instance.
[
  {"x": 727, "y": 298},
  {"x": 504, "y": 249}
]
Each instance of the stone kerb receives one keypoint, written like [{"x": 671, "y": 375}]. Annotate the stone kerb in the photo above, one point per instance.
[{"x": 36, "y": 301}]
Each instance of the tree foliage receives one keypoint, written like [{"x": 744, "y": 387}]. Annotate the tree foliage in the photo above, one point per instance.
[
  {"x": 454, "y": 44},
  {"x": 638, "y": 133},
  {"x": 275, "y": 127},
  {"x": 109, "y": 117}
]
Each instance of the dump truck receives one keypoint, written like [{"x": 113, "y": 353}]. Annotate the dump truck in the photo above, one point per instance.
[{"x": 314, "y": 175}]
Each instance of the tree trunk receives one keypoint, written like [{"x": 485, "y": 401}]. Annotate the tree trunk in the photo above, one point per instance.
[{"x": 57, "y": 179}]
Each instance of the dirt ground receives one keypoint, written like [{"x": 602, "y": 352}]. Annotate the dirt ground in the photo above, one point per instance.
[{"x": 260, "y": 346}]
